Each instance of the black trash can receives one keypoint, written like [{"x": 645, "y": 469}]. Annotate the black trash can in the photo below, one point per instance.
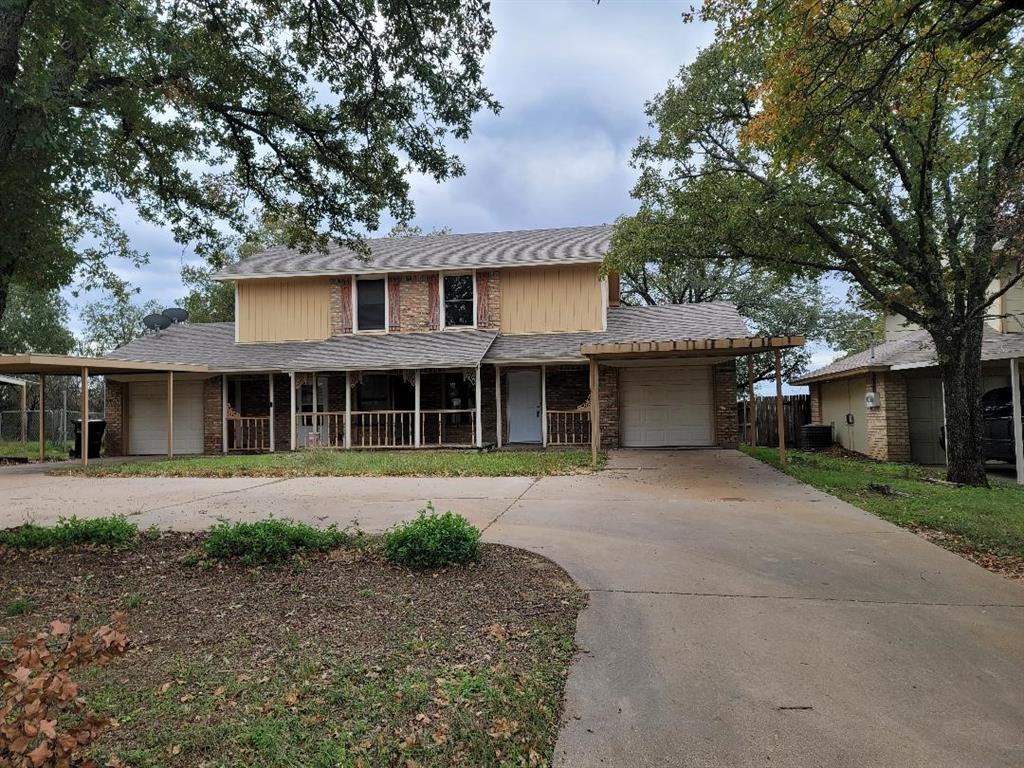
[
  {"x": 96, "y": 429},
  {"x": 816, "y": 437}
]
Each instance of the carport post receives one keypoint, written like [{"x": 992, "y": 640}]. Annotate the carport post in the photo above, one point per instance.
[
  {"x": 170, "y": 414},
  {"x": 1018, "y": 432},
  {"x": 779, "y": 405},
  {"x": 24, "y": 412},
  {"x": 751, "y": 404},
  {"x": 595, "y": 413},
  {"x": 42, "y": 417},
  {"x": 84, "y": 414}
]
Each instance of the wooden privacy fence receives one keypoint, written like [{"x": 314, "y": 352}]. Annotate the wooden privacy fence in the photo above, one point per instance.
[{"x": 796, "y": 411}]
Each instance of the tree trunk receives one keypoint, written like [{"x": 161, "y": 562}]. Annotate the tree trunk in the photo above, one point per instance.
[{"x": 959, "y": 350}]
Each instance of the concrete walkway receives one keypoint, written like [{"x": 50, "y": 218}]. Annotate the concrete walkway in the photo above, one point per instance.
[{"x": 736, "y": 617}]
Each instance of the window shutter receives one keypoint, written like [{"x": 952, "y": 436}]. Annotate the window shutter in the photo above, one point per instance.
[
  {"x": 482, "y": 309},
  {"x": 345, "y": 297},
  {"x": 394, "y": 303}
]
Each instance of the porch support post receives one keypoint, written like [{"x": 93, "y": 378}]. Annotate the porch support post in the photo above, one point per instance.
[
  {"x": 595, "y": 413},
  {"x": 751, "y": 403},
  {"x": 170, "y": 414},
  {"x": 479, "y": 414},
  {"x": 270, "y": 393},
  {"x": 224, "y": 413},
  {"x": 348, "y": 406},
  {"x": 778, "y": 406},
  {"x": 291, "y": 427},
  {"x": 544, "y": 405},
  {"x": 42, "y": 417},
  {"x": 1018, "y": 432},
  {"x": 497, "y": 402},
  {"x": 84, "y": 414},
  {"x": 417, "y": 437}
]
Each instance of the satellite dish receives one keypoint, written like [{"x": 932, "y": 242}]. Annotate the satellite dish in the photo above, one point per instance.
[
  {"x": 176, "y": 314},
  {"x": 156, "y": 322}
]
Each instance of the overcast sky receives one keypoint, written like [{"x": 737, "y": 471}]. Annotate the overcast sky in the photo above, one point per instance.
[{"x": 572, "y": 77}]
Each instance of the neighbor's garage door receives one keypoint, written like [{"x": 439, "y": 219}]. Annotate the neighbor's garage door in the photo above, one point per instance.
[
  {"x": 669, "y": 406},
  {"x": 147, "y": 417},
  {"x": 924, "y": 416}
]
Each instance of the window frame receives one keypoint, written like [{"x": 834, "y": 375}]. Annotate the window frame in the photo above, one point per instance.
[
  {"x": 440, "y": 287},
  {"x": 355, "y": 303}
]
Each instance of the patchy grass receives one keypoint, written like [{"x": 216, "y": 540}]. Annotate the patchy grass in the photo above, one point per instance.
[
  {"x": 19, "y": 606},
  {"x": 360, "y": 463},
  {"x": 55, "y": 451},
  {"x": 269, "y": 541},
  {"x": 113, "y": 531},
  {"x": 985, "y": 524},
  {"x": 347, "y": 661}
]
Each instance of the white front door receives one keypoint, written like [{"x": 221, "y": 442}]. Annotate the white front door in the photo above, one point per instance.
[
  {"x": 524, "y": 407},
  {"x": 666, "y": 406},
  {"x": 147, "y": 417}
]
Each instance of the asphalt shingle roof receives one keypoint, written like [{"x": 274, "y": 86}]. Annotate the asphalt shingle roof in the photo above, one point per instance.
[
  {"x": 670, "y": 322},
  {"x": 213, "y": 344},
  {"x": 571, "y": 245},
  {"x": 911, "y": 350}
]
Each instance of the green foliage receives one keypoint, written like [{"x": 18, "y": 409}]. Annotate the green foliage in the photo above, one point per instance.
[
  {"x": 433, "y": 540},
  {"x": 20, "y": 606},
  {"x": 191, "y": 111},
  {"x": 112, "y": 322},
  {"x": 35, "y": 321},
  {"x": 113, "y": 531},
  {"x": 269, "y": 541}
]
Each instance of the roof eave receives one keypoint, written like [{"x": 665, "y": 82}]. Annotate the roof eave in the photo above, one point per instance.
[
  {"x": 860, "y": 370},
  {"x": 725, "y": 346}
]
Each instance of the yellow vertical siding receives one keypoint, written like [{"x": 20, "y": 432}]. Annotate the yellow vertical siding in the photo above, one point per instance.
[
  {"x": 296, "y": 309},
  {"x": 551, "y": 299}
]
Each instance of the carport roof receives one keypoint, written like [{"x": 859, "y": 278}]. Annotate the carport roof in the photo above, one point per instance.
[{"x": 67, "y": 365}]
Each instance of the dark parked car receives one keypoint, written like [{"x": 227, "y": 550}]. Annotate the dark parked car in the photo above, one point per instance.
[{"x": 997, "y": 410}]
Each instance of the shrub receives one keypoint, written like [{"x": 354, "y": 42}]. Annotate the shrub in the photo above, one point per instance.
[
  {"x": 109, "y": 531},
  {"x": 269, "y": 541},
  {"x": 20, "y": 606},
  {"x": 433, "y": 540}
]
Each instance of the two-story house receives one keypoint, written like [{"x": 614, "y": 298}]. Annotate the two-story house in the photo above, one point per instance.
[
  {"x": 887, "y": 402},
  {"x": 438, "y": 340}
]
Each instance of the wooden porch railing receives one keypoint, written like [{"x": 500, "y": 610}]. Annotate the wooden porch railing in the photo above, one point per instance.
[
  {"x": 568, "y": 427},
  {"x": 448, "y": 426},
  {"x": 248, "y": 433},
  {"x": 383, "y": 429},
  {"x": 325, "y": 429}
]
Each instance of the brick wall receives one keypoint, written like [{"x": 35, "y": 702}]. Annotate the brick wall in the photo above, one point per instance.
[
  {"x": 888, "y": 426},
  {"x": 723, "y": 383},
  {"x": 213, "y": 429},
  {"x": 341, "y": 306},
  {"x": 488, "y": 287},
  {"x": 608, "y": 387},
  {"x": 113, "y": 437},
  {"x": 414, "y": 295},
  {"x": 815, "y": 392}
]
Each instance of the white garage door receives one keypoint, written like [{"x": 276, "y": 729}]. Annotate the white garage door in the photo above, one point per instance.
[
  {"x": 147, "y": 417},
  {"x": 667, "y": 406}
]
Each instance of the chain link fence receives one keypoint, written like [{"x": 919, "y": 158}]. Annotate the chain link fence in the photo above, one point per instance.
[{"x": 59, "y": 426}]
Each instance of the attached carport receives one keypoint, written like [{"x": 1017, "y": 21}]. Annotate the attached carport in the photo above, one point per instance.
[
  {"x": 679, "y": 396},
  {"x": 84, "y": 367}
]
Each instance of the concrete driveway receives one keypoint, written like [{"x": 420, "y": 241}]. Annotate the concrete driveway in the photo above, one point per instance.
[{"x": 736, "y": 617}]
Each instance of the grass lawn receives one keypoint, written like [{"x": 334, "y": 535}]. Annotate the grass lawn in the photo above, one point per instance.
[
  {"x": 361, "y": 463},
  {"x": 985, "y": 524},
  {"x": 334, "y": 659},
  {"x": 30, "y": 449}
]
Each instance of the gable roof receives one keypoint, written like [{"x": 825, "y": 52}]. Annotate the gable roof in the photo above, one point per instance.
[
  {"x": 913, "y": 350},
  {"x": 532, "y": 247}
]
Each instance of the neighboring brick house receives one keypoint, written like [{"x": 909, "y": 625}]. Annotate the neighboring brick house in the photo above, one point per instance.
[
  {"x": 886, "y": 402},
  {"x": 439, "y": 340}
]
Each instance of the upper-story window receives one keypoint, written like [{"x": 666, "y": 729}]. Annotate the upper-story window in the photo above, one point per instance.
[
  {"x": 457, "y": 294},
  {"x": 371, "y": 304}
]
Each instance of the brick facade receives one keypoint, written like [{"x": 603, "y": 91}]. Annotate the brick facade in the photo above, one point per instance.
[
  {"x": 341, "y": 306},
  {"x": 815, "y": 394},
  {"x": 113, "y": 436},
  {"x": 723, "y": 385},
  {"x": 608, "y": 389},
  {"x": 888, "y": 426},
  {"x": 213, "y": 426},
  {"x": 414, "y": 293}
]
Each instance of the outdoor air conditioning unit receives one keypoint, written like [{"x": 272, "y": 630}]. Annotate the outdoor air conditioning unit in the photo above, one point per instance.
[{"x": 871, "y": 400}]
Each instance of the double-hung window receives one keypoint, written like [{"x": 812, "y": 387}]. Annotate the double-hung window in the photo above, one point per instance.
[
  {"x": 371, "y": 314},
  {"x": 457, "y": 296}
]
